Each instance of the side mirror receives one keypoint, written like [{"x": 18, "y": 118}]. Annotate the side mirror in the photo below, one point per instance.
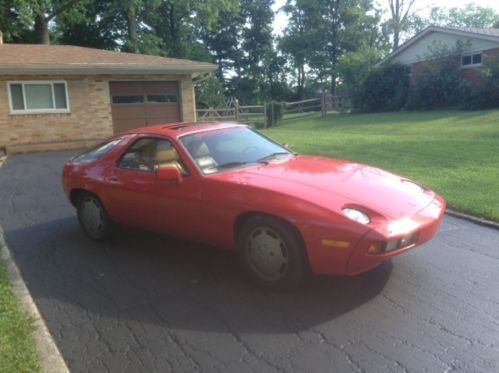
[{"x": 169, "y": 173}]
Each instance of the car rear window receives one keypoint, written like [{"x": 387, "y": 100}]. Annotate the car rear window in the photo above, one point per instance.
[{"x": 98, "y": 152}]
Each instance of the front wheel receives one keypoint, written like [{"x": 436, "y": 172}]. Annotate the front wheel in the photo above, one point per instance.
[
  {"x": 272, "y": 253},
  {"x": 93, "y": 218}
]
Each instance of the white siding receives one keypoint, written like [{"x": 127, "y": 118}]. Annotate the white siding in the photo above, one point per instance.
[{"x": 423, "y": 48}]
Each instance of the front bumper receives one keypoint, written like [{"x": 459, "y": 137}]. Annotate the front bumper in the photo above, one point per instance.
[{"x": 424, "y": 224}]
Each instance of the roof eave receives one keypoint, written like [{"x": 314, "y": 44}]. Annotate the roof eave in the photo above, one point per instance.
[
  {"x": 103, "y": 69},
  {"x": 431, "y": 29}
]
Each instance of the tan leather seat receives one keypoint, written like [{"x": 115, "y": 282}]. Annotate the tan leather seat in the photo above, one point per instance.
[
  {"x": 201, "y": 154},
  {"x": 166, "y": 155}
]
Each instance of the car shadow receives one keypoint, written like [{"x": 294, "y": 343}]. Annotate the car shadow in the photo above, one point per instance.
[{"x": 150, "y": 278}]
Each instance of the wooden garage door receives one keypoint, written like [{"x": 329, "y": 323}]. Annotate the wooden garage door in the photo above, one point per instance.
[{"x": 140, "y": 104}]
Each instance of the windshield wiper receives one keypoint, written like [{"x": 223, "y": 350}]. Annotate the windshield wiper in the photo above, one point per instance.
[
  {"x": 231, "y": 164},
  {"x": 273, "y": 155}
]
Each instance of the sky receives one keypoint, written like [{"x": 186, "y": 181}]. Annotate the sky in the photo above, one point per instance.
[{"x": 421, "y": 6}]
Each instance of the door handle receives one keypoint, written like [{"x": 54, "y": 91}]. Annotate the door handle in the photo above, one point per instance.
[{"x": 113, "y": 179}]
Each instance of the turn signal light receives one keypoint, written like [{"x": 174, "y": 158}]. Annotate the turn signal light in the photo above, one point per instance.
[{"x": 375, "y": 248}]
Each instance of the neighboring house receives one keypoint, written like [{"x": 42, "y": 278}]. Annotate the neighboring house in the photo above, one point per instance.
[
  {"x": 477, "y": 44},
  {"x": 60, "y": 97}
]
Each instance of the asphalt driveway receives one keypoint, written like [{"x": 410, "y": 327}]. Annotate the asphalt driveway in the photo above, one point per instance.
[{"x": 145, "y": 302}]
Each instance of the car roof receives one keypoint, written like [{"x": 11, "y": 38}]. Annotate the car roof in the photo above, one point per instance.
[{"x": 181, "y": 128}]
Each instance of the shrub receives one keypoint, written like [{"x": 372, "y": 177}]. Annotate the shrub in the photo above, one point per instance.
[
  {"x": 438, "y": 84},
  {"x": 385, "y": 89},
  {"x": 486, "y": 94}
]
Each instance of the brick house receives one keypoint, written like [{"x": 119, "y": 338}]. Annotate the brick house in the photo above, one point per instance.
[
  {"x": 477, "y": 45},
  {"x": 59, "y": 97}
]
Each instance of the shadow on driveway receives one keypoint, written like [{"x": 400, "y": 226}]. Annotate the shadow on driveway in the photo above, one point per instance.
[{"x": 156, "y": 279}]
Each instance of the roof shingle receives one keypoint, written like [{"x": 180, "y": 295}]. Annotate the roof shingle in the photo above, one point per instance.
[{"x": 45, "y": 56}]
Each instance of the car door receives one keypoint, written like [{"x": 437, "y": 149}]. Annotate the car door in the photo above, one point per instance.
[{"x": 142, "y": 200}]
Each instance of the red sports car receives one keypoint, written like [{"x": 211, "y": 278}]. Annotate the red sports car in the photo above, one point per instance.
[{"x": 229, "y": 186}]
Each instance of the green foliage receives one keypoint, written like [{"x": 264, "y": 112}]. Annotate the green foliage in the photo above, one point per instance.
[
  {"x": 471, "y": 15},
  {"x": 319, "y": 32},
  {"x": 437, "y": 84},
  {"x": 384, "y": 89},
  {"x": 176, "y": 21},
  {"x": 485, "y": 94},
  {"x": 354, "y": 68},
  {"x": 96, "y": 26},
  {"x": 210, "y": 93},
  {"x": 15, "y": 21}
]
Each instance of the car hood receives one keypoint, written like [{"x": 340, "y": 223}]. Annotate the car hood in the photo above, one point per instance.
[{"x": 341, "y": 183}]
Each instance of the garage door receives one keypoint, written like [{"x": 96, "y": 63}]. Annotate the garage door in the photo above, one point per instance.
[{"x": 139, "y": 104}]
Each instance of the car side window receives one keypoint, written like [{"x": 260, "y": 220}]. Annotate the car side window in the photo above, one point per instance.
[{"x": 147, "y": 154}]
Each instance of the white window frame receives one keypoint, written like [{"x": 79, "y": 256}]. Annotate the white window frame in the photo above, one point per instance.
[
  {"x": 38, "y": 111},
  {"x": 471, "y": 65}
]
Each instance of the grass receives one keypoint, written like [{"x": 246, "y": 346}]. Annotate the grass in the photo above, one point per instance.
[
  {"x": 456, "y": 153},
  {"x": 17, "y": 348}
]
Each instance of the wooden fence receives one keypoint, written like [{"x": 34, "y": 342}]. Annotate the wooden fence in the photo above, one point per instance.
[
  {"x": 321, "y": 105},
  {"x": 279, "y": 111},
  {"x": 249, "y": 114}
]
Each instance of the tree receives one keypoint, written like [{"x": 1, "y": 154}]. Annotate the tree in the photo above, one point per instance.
[
  {"x": 210, "y": 93},
  {"x": 223, "y": 43},
  {"x": 400, "y": 19},
  {"x": 45, "y": 11},
  {"x": 241, "y": 43},
  {"x": 320, "y": 31},
  {"x": 470, "y": 15},
  {"x": 296, "y": 43},
  {"x": 15, "y": 21},
  {"x": 354, "y": 68},
  {"x": 99, "y": 25},
  {"x": 176, "y": 21},
  {"x": 257, "y": 49}
]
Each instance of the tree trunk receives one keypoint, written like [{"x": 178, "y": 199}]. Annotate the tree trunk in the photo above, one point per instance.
[
  {"x": 42, "y": 30},
  {"x": 132, "y": 29},
  {"x": 301, "y": 82}
]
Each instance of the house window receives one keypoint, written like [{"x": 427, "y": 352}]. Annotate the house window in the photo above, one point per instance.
[
  {"x": 160, "y": 99},
  {"x": 470, "y": 60},
  {"x": 38, "y": 97}
]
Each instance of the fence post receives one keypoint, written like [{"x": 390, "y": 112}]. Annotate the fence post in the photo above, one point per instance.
[
  {"x": 323, "y": 104},
  {"x": 272, "y": 114},
  {"x": 236, "y": 110},
  {"x": 265, "y": 119}
]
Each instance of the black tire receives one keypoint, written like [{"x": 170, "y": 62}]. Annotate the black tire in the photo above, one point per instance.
[
  {"x": 93, "y": 217},
  {"x": 272, "y": 253}
]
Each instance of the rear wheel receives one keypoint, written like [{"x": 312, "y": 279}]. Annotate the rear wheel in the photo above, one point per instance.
[
  {"x": 272, "y": 253},
  {"x": 93, "y": 218}
]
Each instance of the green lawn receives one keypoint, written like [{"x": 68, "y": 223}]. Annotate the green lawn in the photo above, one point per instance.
[
  {"x": 456, "y": 153},
  {"x": 17, "y": 349}
]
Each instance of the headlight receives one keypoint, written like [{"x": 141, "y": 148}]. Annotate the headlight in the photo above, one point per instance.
[
  {"x": 414, "y": 186},
  {"x": 356, "y": 215}
]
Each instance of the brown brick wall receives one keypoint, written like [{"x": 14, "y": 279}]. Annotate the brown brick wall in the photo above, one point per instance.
[
  {"x": 471, "y": 74},
  {"x": 89, "y": 121}
]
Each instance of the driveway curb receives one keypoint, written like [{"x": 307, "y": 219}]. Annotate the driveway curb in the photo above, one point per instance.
[
  {"x": 473, "y": 219},
  {"x": 50, "y": 357}
]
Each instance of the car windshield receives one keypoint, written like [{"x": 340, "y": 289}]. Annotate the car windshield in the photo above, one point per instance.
[{"x": 225, "y": 148}]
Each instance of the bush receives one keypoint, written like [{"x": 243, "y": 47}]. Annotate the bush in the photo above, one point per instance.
[
  {"x": 486, "y": 94},
  {"x": 385, "y": 89},
  {"x": 438, "y": 84}
]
